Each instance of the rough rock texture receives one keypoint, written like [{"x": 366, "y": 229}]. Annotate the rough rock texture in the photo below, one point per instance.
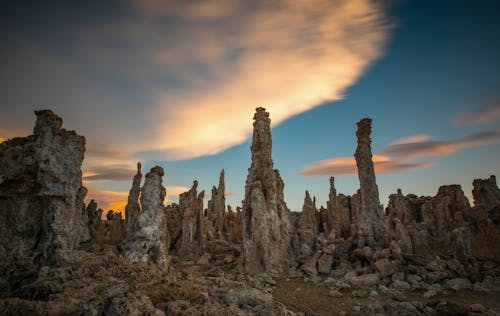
[
  {"x": 338, "y": 214},
  {"x": 233, "y": 225},
  {"x": 133, "y": 206},
  {"x": 372, "y": 224},
  {"x": 216, "y": 208},
  {"x": 150, "y": 240},
  {"x": 304, "y": 242},
  {"x": 485, "y": 192},
  {"x": 266, "y": 246},
  {"x": 41, "y": 196},
  {"x": 193, "y": 238}
]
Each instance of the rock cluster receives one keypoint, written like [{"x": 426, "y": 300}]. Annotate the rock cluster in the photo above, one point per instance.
[
  {"x": 193, "y": 237},
  {"x": 182, "y": 258}
]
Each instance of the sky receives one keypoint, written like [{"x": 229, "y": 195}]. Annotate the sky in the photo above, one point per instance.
[{"x": 175, "y": 84}]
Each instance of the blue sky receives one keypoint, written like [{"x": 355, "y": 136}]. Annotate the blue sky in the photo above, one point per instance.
[{"x": 176, "y": 85}]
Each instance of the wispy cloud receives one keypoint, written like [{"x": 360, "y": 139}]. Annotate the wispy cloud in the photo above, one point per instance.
[
  {"x": 289, "y": 56},
  {"x": 180, "y": 79},
  {"x": 438, "y": 148},
  {"x": 477, "y": 116},
  {"x": 347, "y": 165},
  {"x": 114, "y": 172},
  {"x": 401, "y": 154}
]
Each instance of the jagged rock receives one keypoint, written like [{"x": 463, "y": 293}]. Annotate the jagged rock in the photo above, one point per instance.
[
  {"x": 133, "y": 206},
  {"x": 338, "y": 215},
  {"x": 192, "y": 239},
  {"x": 310, "y": 267},
  {"x": 447, "y": 209},
  {"x": 41, "y": 194},
  {"x": 150, "y": 240},
  {"x": 372, "y": 224},
  {"x": 233, "y": 226},
  {"x": 485, "y": 192},
  {"x": 325, "y": 263},
  {"x": 216, "y": 207},
  {"x": 266, "y": 244},
  {"x": 307, "y": 228}
]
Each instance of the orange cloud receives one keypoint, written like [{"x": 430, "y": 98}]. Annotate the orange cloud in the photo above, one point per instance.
[
  {"x": 478, "y": 116},
  {"x": 107, "y": 199},
  {"x": 439, "y": 148},
  {"x": 2, "y": 140},
  {"x": 289, "y": 57},
  {"x": 347, "y": 165},
  {"x": 400, "y": 155}
]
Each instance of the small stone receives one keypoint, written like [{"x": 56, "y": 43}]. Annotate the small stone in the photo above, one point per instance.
[
  {"x": 430, "y": 293},
  {"x": 477, "y": 308},
  {"x": 385, "y": 268},
  {"x": 458, "y": 284},
  {"x": 401, "y": 285},
  {"x": 335, "y": 293}
]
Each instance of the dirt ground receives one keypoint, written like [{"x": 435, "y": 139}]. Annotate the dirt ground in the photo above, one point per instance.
[{"x": 302, "y": 296}]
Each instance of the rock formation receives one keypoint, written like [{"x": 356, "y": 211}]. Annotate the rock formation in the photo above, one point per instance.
[
  {"x": 150, "y": 240},
  {"x": 41, "y": 193},
  {"x": 307, "y": 229},
  {"x": 133, "y": 206},
  {"x": 216, "y": 208},
  {"x": 338, "y": 215},
  {"x": 265, "y": 246},
  {"x": 372, "y": 225},
  {"x": 192, "y": 239},
  {"x": 486, "y": 193}
]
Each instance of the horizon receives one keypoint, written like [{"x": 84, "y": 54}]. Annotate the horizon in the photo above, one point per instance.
[{"x": 425, "y": 73}]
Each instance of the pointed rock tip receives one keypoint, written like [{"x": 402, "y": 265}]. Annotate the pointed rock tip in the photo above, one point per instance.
[
  {"x": 47, "y": 120},
  {"x": 260, "y": 112},
  {"x": 158, "y": 170},
  {"x": 364, "y": 127}
]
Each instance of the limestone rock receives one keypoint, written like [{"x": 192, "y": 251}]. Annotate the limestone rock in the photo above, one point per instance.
[
  {"x": 338, "y": 213},
  {"x": 41, "y": 193},
  {"x": 133, "y": 206},
  {"x": 192, "y": 239},
  {"x": 266, "y": 246},
  {"x": 307, "y": 228},
  {"x": 485, "y": 192},
  {"x": 385, "y": 268},
  {"x": 325, "y": 263},
  {"x": 372, "y": 224},
  {"x": 217, "y": 207},
  {"x": 150, "y": 240}
]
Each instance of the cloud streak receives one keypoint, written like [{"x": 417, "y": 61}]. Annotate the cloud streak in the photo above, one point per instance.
[
  {"x": 289, "y": 56},
  {"x": 478, "y": 116},
  {"x": 401, "y": 154},
  {"x": 347, "y": 165}
]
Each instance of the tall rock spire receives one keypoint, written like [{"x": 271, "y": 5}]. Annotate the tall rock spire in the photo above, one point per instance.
[
  {"x": 133, "y": 206},
  {"x": 150, "y": 240},
  {"x": 265, "y": 245},
  {"x": 216, "y": 207},
  {"x": 193, "y": 234},
  {"x": 372, "y": 224}
]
